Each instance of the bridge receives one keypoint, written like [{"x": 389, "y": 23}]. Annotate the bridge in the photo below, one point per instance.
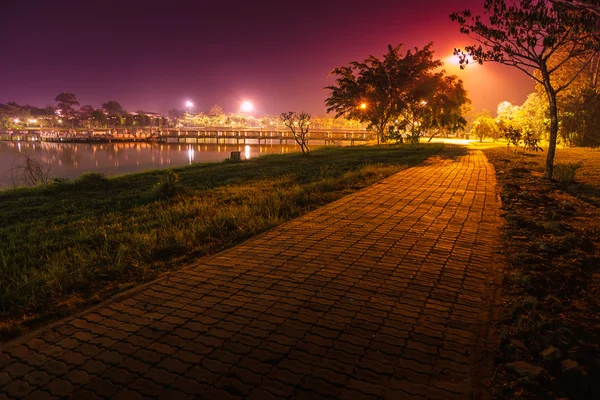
[{"x": 190, "y": 135}]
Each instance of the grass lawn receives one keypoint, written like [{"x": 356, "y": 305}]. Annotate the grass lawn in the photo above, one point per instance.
[
  {"x": 551, "y": 292},
  {"x": 67, "y": 245}
]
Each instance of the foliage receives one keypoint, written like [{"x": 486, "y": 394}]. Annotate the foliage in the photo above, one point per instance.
[
  {"x": 299, "y": 124},
  {"x": 216, "y": 111},
  {"x": 486, "y": 127},
  {"x": 16, "y": 116},
  {"x": 592, "y": 6},
  {"x": 579, "y": 103},
  {"x": 398, "y": 87},
  {"x": 447, "y": 106},
  {"x": 113, "y": 108},
  {"x": 524, "y": 34},
  {"x": 506, "y": 111},
  {"x": 168, "y": 186},
  {"x": 565, "y": 173},
  {"x": 533, "y": 115},
  {"x": 66, "y": 103},
  {"x": 92, "y": 179},
  {"x": 523, "y": 138}
]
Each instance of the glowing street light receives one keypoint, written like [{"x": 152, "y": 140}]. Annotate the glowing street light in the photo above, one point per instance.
[
  {"x": 32, "y": 121},
  {"x": 16, "y": 120},
  {"x": 247, "y": 106},
  {"x": 60, "y": 121},
  {"x": 363, "y": 106},
  {"x": 189, "y": 105}
]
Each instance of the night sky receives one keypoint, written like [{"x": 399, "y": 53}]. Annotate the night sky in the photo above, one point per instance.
[{"x": 154, "y": 55}]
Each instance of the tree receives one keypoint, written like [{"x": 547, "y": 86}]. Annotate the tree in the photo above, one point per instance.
[
  {"x": 583, "y": 5},
  {"x": 524, "y": 34},
  {"x": 506, "y": 111},
  {"x": 533, "y": 115},
  {"x": 215, "y": 111},
  {"x": 66, "y": 103},
  {"x": 578, "y": 103},
  {"x": 377, "y": 91},
  {"x": 447, "y": 106},
  {"x": 85, "y": 112},
  {"x": 113, "y": 108},
  {"x": 175, "y": 115},
  {"x": 299, "y": 124},
  {"x": 99, "y": 118},
  {"x": 85, "y": 116},
  {"x": 485, "y": 127}
]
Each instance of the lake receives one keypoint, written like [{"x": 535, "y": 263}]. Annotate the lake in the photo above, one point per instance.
[{"x": 69, "y": 160}]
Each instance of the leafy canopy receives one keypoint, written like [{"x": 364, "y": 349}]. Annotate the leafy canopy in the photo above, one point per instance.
[{"x": 380, "y": 91}]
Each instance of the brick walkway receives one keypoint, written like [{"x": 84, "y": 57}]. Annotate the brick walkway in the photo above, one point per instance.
[{"x": 382, "y": 294}]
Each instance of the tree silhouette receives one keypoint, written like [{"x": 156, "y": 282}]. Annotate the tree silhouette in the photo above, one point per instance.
[
  {"x": 113, "y": 108},
  {"x": 66, "y": 103},
  {"x": 298, "y": 123},
  {"x": 379, "y": 92}
]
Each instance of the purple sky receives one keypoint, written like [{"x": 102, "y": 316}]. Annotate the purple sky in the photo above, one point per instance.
[{"x": 154, "y": 55}]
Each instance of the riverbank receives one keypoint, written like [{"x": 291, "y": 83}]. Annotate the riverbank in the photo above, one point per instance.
[{"x": 68, "y": 245}]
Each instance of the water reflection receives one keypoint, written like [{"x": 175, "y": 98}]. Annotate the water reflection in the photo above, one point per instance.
[{"x": 69, "y": 160}]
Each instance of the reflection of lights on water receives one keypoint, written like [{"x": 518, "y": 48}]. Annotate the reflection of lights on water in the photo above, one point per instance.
[
  {"x": 247, "y": 152},
  {"x": 190, "y": 154}
]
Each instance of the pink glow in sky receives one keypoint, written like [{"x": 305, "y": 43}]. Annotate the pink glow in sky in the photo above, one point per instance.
[{"x": 156, "y": 55}]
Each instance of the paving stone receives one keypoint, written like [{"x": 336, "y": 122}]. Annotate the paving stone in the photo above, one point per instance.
[
  {"x": 60, "y": 387},
  {"x": 17, "y": 388},
  {"x": 35, "y": 378},
  {"x": 103, "y": 387},
  {"x": 368, "y": 297}
]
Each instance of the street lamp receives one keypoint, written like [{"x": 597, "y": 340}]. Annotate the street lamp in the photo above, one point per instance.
[
  {"x": 363, "y": 106},
  {"x": 189, "y": 105},
  {"x": 247, "y": 106}
]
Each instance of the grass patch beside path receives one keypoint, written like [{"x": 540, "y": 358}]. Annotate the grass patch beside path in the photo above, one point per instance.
[
  {"x": 551, "y": 291},
  {"x": 66, "y": 245}
]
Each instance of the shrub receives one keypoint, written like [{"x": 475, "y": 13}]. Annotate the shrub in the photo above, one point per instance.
[
  {"x": 521, "y": 138},
  {"x": 168, "y": 186},
  {"x": 565, "y": 173},
  {"x": 92, "y": 179},
  {"x": 58, "y": 181},
  {"x": 26, "y": 170}
]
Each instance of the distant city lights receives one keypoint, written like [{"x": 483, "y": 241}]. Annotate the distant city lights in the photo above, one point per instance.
[{"x": 247, "y": 107}]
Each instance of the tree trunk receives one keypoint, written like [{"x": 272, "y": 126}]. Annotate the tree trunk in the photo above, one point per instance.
[
  {"x": 553, "y": 136},
  {"x": 551, "y": 93}
]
